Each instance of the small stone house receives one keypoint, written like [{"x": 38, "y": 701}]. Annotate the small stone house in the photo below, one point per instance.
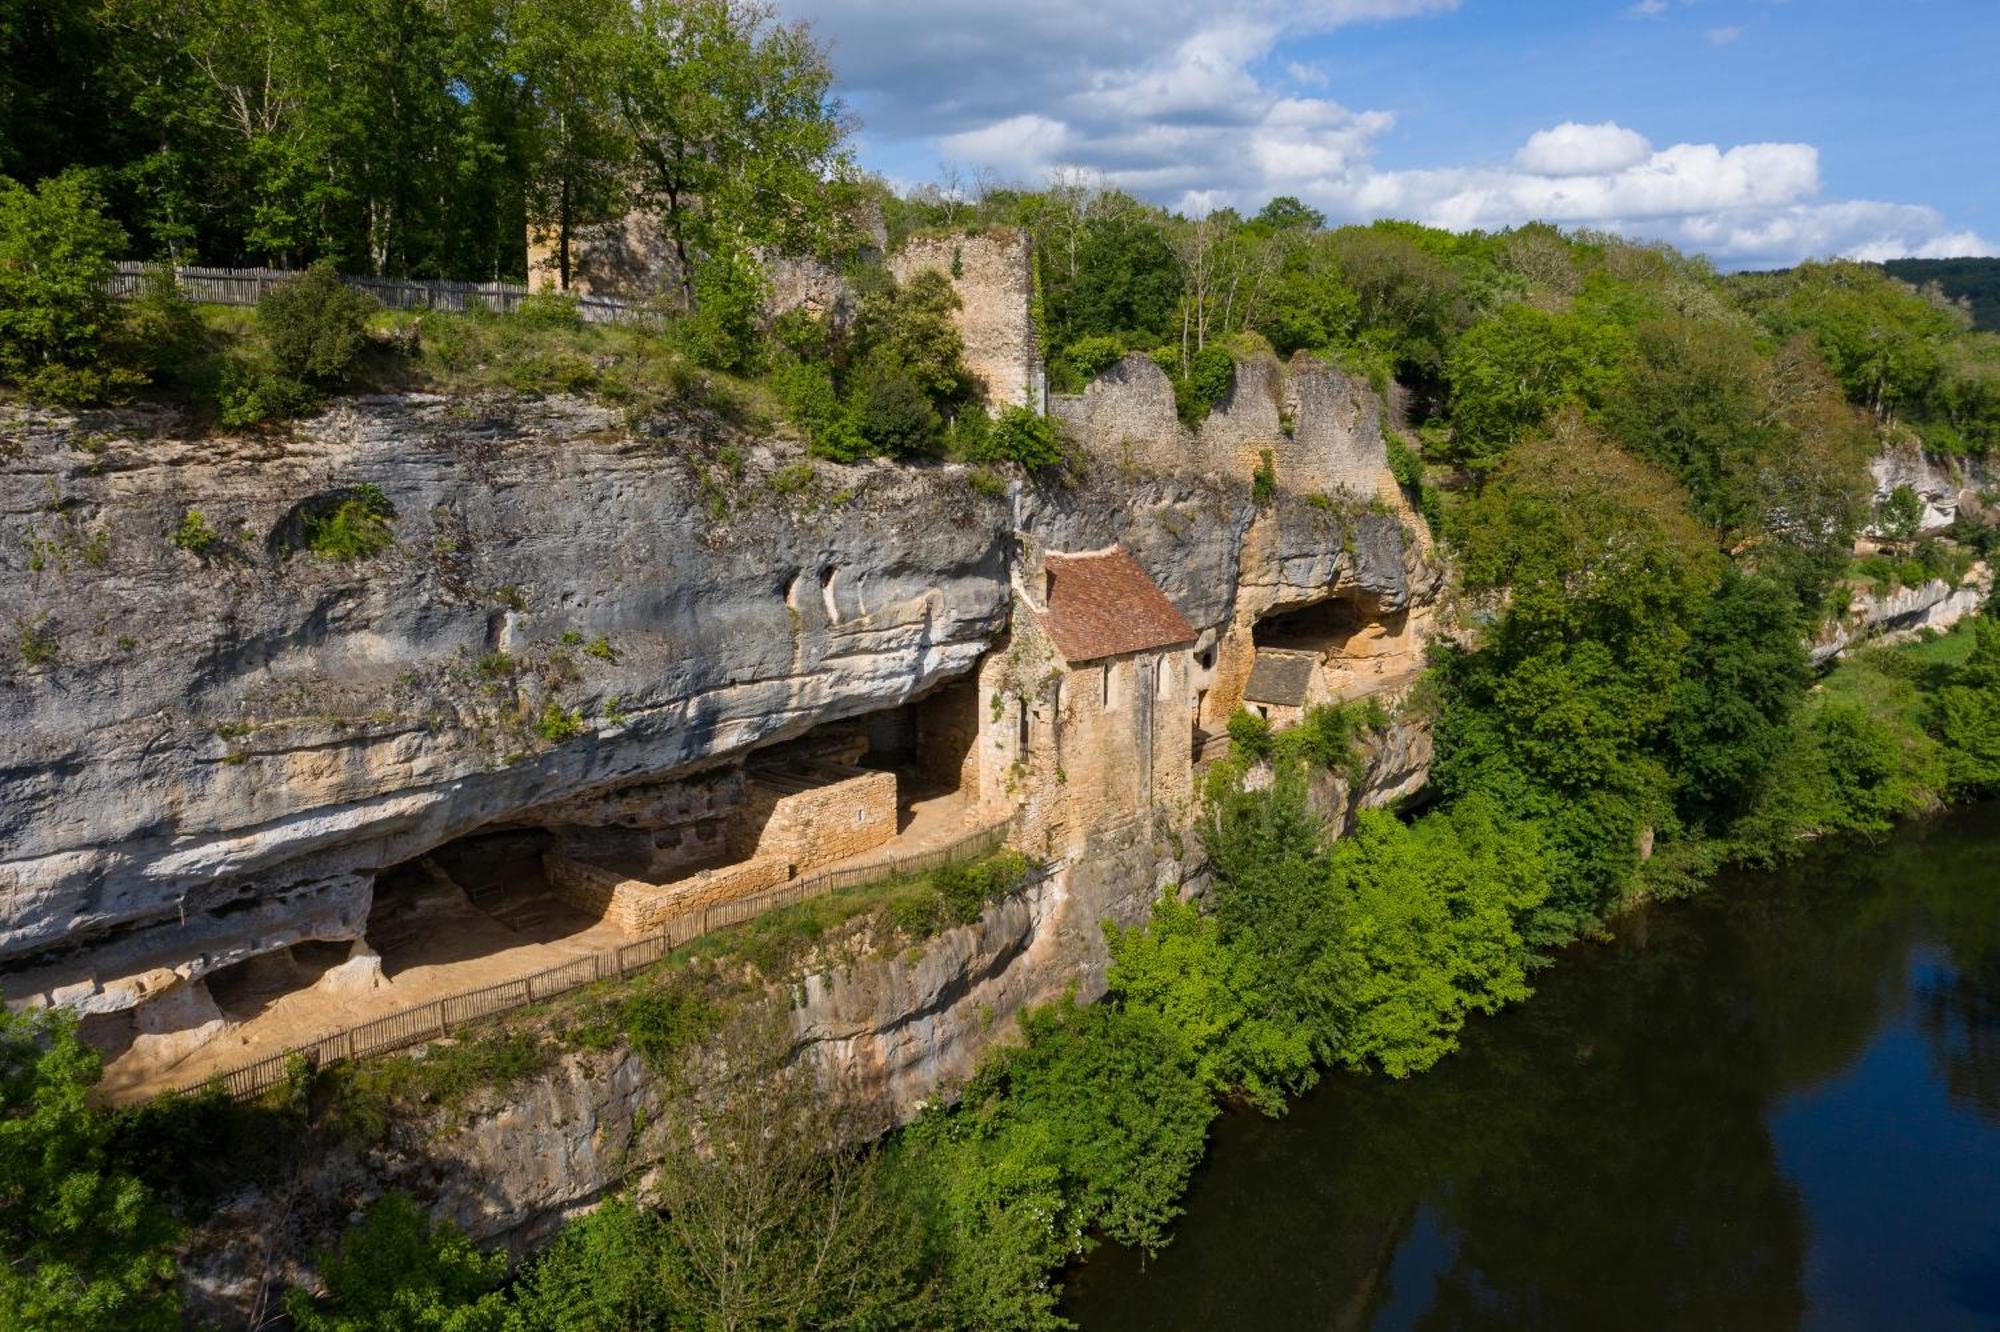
[{"x": 1106, "y": 734}]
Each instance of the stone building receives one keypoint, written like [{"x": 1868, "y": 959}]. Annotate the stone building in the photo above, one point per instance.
[{"x": 1100, "y": 681}]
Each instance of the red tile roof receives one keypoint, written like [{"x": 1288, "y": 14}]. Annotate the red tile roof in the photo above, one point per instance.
[{"x": 1104, "y": 605}]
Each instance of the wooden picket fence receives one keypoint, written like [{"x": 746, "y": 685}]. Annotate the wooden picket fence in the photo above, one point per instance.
[
  {"x": 245, "y": 286},
  {"x": 440, "y": 1017}
]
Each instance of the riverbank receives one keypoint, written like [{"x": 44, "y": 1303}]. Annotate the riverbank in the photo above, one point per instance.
[{"x": 1769, "y": 1106}]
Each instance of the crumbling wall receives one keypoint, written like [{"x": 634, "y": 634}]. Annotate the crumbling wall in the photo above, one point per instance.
[
  {"x": 1321, "y": 426},
  {"x": 1336, "y": 446},
  {"x": 993, "y": 273},
  {"x": 1125, "y": 417}
]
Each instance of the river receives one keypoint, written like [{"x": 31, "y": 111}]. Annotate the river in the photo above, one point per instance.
[{"x": 1774, "y": 1106}]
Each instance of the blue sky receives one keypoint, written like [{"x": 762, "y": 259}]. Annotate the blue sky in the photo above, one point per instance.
[{"x": 1758, "y": 131}]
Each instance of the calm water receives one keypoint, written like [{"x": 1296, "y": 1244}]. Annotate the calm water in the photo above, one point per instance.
[{"x": 1776, "y": 1107}]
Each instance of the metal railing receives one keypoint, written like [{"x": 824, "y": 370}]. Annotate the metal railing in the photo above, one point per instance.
[
  {"x": 245, "y": 286},
  {"x": 439, "y": 1017}
]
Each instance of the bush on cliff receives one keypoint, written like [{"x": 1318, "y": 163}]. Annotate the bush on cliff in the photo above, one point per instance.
[
  {"x": 56, "y": 316},
  {"x": 315, "y": 326},
  {"x": 1024, "y": 437}
]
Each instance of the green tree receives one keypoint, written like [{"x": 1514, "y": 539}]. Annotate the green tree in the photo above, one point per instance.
[
  {"x": 605, "y": 1272},
  {"x": 1433, "y": 927},
  {"x": 1882, "y": 339},
  {"x": 397, "y": 1272},
  {"x": 1561, "y": 711},
  {"x": 1965, "y": 716},
  {"x": 565, "y": 52},
  {"x": 734, "y": 128},
  {"x": 1511, "y": 372},
  {"x": 1178, "y": 969},
  {"x": 1746, "y": 669},
  {"x": 83, "y": 1247},
  {"x": 56, "y": 253},
  {"x": 1900, "y": 515},
  {"x": 1695, "y": 400},
  {"x": 773, "y": 1216}
]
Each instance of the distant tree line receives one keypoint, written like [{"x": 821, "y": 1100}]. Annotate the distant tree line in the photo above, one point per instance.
[{"x": 1973, "y": 283}]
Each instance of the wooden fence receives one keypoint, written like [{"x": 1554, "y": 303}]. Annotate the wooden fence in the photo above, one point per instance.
[
  {"x": 243, "y": 286},
  {"x": 439, "y": 1017}
]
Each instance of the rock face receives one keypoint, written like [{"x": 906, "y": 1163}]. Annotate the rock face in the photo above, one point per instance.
[
  {"x": 1884, "y": 617},
  {"x": 896, "y": 1031},
  {"x": 210, "y": 753},
  {"x": 1945, "y": 485}
]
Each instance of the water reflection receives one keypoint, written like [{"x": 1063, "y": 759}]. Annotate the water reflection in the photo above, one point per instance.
[{"x": 1775, "y": 1107}]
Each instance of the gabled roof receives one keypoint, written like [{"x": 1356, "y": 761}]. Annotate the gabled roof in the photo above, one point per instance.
[
  {"x": 1103, "y": 605},
  {"x": 1281, "y": 678}
]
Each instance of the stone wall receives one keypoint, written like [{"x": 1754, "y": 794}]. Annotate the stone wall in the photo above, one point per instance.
[
  {"x": 1321, "y": 426},
  {"x": 993, "y": 273},
  {"x": 629, "y": 259},
  {"x": 1125, "y": 417},
  {"x": 640, "y": 907},
  {"x": 815, "y": 817}
]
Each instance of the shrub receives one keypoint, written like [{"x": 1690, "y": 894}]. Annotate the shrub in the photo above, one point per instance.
[
  {"x": 550, "y": 309},
  {"x": 356, "y": 528},
  {"x": 662, "y": 1022},
  {"x": 558, "y": 723},
  {"x": 164, "y": 331},
  {"x": 1092, "y": 356},
  {"x": 1900, "y": 514},
  {"x": 1211, "y": 374},
  {"x": 194, "y": 535},
  {"x": 395, "y": 1270},
  {"x": 806, "y": 392},
  {"x": 1024, "y": 436},
  {"x": 892, "y": 412},
  {"x": 248, "y": 392},
  {"x": 1249, "y": 735},
  {"x": 315, "y": 326},
  {"x": 1329, "y": 736},
  {"x": 721, "y": 333},
  {"x": 36, "y": 641},
  {"x": 56, "y": 248},
  {"x": 1264, "y": 480}
]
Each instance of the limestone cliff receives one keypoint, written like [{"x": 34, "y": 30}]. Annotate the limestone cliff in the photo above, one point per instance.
[{"x": 218, "y": 746}]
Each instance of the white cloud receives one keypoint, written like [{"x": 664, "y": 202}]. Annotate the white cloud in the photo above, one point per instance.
[
  {"x": 1571, "y": 149},
  {"x": 1308, "y": 76},
  {"x": 1723, "y": 36},
  {"x": 1171, "y": 99},
  {"x": 1648, "y": 9}
]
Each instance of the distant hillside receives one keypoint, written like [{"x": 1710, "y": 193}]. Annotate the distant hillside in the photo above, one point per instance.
[{"x": 1976, "y": 281}]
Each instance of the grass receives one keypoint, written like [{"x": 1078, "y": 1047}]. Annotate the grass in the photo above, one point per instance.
[
  {"x": 361, "y": 1094},
  {"x": 1891, "y": 682},
  {"x": 638, "y": 369},
  {"x": 906, "y": 907},
  {"x": 357, "y": 528}
]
